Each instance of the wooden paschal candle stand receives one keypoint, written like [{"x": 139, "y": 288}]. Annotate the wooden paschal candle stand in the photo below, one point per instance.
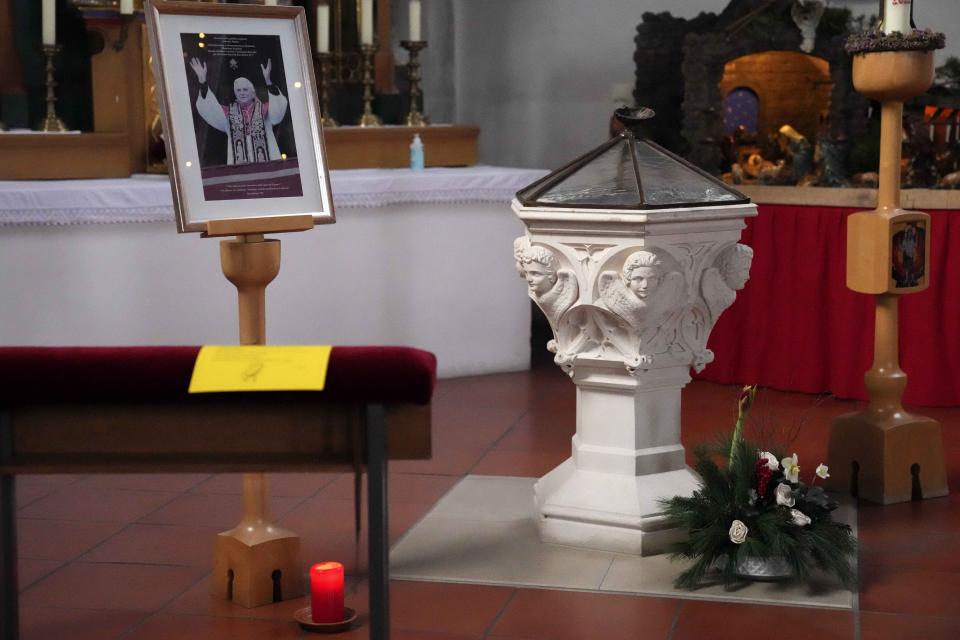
[
  {"x": 256, "y": 562},
  {"x": 883, "y": 453}
]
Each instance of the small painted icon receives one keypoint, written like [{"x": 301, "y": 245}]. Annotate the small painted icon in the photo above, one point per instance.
[{"x": 908, "y": 253}]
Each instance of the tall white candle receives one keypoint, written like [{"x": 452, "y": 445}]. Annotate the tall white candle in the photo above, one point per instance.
[
  {"x": 414, "y": 20},
  {"x": 49, "y": 22},
  {"x": 126, "y": 7},
  {"x": 323, "y": 28},
  {"x": 896, "y": 16},
  {"x": 366, "y": 22}
]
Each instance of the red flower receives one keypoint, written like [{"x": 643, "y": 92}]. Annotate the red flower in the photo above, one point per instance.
[{"x": 764, "y": 473}]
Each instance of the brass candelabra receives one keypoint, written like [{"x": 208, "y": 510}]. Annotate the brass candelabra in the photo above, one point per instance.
[
  {"x": 369, "y": 118},
  {"x": 415, "y": 117},
  {"x": 326, "y": 61},
  {"x": 51, "y": 122}
]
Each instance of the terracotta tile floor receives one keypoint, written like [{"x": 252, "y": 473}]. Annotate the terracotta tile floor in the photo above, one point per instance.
[{"x": 106, "y": 557}]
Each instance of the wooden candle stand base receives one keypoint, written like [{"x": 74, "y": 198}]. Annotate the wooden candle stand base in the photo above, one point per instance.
[
  {"x": 887, "y": 459},
  {"x": 257, "y": 568}
]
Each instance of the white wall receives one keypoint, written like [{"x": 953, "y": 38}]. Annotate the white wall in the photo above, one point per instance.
[{"x": 537, "y": 74}]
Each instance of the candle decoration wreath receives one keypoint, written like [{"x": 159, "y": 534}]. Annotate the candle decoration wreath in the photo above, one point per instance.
[
  {"x": 877, "y": 41},
  {"x": 752, "y": 518}
]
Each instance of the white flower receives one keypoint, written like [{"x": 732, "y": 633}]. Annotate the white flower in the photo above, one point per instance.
[
  {"x": 771, "y": 460},
  {"x": 785, "y": 495},
  {"x": 822, "y": 471},
  {"x": 738, "y": 532},
  {"x": 791, "y": 470},
  {"x": 752, "y": 497},
  {"x": 799, "y": 518}
]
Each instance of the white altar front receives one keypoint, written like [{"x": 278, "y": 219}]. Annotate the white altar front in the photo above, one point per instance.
[{"x": 415, "y": 258}]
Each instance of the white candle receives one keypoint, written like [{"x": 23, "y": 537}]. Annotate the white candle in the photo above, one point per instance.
[
  {"x": 126, "y": 7},
  {"x": 414, "y": 20},
  {"x": 366, "y": 22},
  {"x": 49, "y": 22},
  {"x": 896, "y": 16},
  {"x": 271, "y": 3},
  {"x": 323, "y": 28}
]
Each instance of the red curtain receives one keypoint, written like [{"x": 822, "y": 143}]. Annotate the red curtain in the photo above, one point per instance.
[{"x": 796, "y": 326}]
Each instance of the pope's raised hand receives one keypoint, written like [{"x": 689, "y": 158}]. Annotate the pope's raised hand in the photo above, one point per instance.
[
  {"x": 266, "y": 71},
  {"x": 199, "y": 68}
]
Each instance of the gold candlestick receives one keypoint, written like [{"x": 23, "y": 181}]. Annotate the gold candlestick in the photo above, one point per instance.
[
  {"x": 326, "y": 61},
  {"x": 51, "y": 122},
  {"x": 369, "y": 118},
  {"x": 414, "y": 116}
]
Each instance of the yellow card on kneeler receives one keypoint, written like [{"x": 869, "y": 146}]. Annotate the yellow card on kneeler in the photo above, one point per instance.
[{"x": 260, "y": 368}]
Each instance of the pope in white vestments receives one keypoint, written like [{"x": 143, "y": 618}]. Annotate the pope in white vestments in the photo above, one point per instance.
[{"x": 247, "y": 121}]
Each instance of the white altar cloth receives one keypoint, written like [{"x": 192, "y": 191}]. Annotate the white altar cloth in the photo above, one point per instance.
[
  {"x": 423, "y": 259},
  {"x": 147, "y": 198}
]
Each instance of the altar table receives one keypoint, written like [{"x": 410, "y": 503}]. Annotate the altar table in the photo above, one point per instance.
[
  {"x": 797, "y": 327},
  {"x": 423, "y": 258}
]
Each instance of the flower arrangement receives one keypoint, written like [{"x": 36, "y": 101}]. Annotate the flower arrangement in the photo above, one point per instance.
[{"x": 756, "y": 508}]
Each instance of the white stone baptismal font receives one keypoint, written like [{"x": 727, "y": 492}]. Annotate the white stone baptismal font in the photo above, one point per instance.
[{"x": 632, "y": 255}]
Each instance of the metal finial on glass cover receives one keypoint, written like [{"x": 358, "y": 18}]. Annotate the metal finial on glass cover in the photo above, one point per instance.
[{"x": 632, "y": 117}]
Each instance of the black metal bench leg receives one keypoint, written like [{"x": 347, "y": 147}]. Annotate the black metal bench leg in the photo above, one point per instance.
[
  {"x": 8, "y": 560},
  {"x": 379, "y": 542},
  {"x": 8, "y": 538}
]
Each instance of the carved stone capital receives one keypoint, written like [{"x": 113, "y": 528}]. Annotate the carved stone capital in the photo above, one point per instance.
[{"x": 644, "y": 305}]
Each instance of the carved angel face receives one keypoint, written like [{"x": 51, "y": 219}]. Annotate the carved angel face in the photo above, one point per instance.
[
  {"x": 735, "y": 268},
  {"x": 643, "y": 281},
  {"x": 540, "y": 278},
  {"x": 736, "y": 275}
]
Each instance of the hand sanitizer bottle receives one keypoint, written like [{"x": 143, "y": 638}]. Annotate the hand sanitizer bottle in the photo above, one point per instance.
[{"x": 416, "y": 153}]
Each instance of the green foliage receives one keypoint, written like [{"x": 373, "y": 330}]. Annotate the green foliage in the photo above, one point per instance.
[
  {"x": 865, "y": 152},
  {"x": 729, "y": 492},
  {"x": 835, "y": 21},
  {"x": 948, "y": 75}
]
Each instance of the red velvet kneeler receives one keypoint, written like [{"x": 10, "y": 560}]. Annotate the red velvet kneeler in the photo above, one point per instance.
[{"x": 52, "y": 375}]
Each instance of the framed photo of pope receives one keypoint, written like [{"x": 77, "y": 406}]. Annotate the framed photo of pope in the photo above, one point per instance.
[{"x": 240, "y": 117}]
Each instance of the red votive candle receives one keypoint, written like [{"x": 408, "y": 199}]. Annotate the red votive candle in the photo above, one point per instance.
[{"x": 326, "y": 592}]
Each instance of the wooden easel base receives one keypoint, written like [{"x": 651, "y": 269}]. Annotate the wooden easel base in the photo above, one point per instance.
[
  {"x": 253, "y": 566},
  {"x": 884, "y": 449}
]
